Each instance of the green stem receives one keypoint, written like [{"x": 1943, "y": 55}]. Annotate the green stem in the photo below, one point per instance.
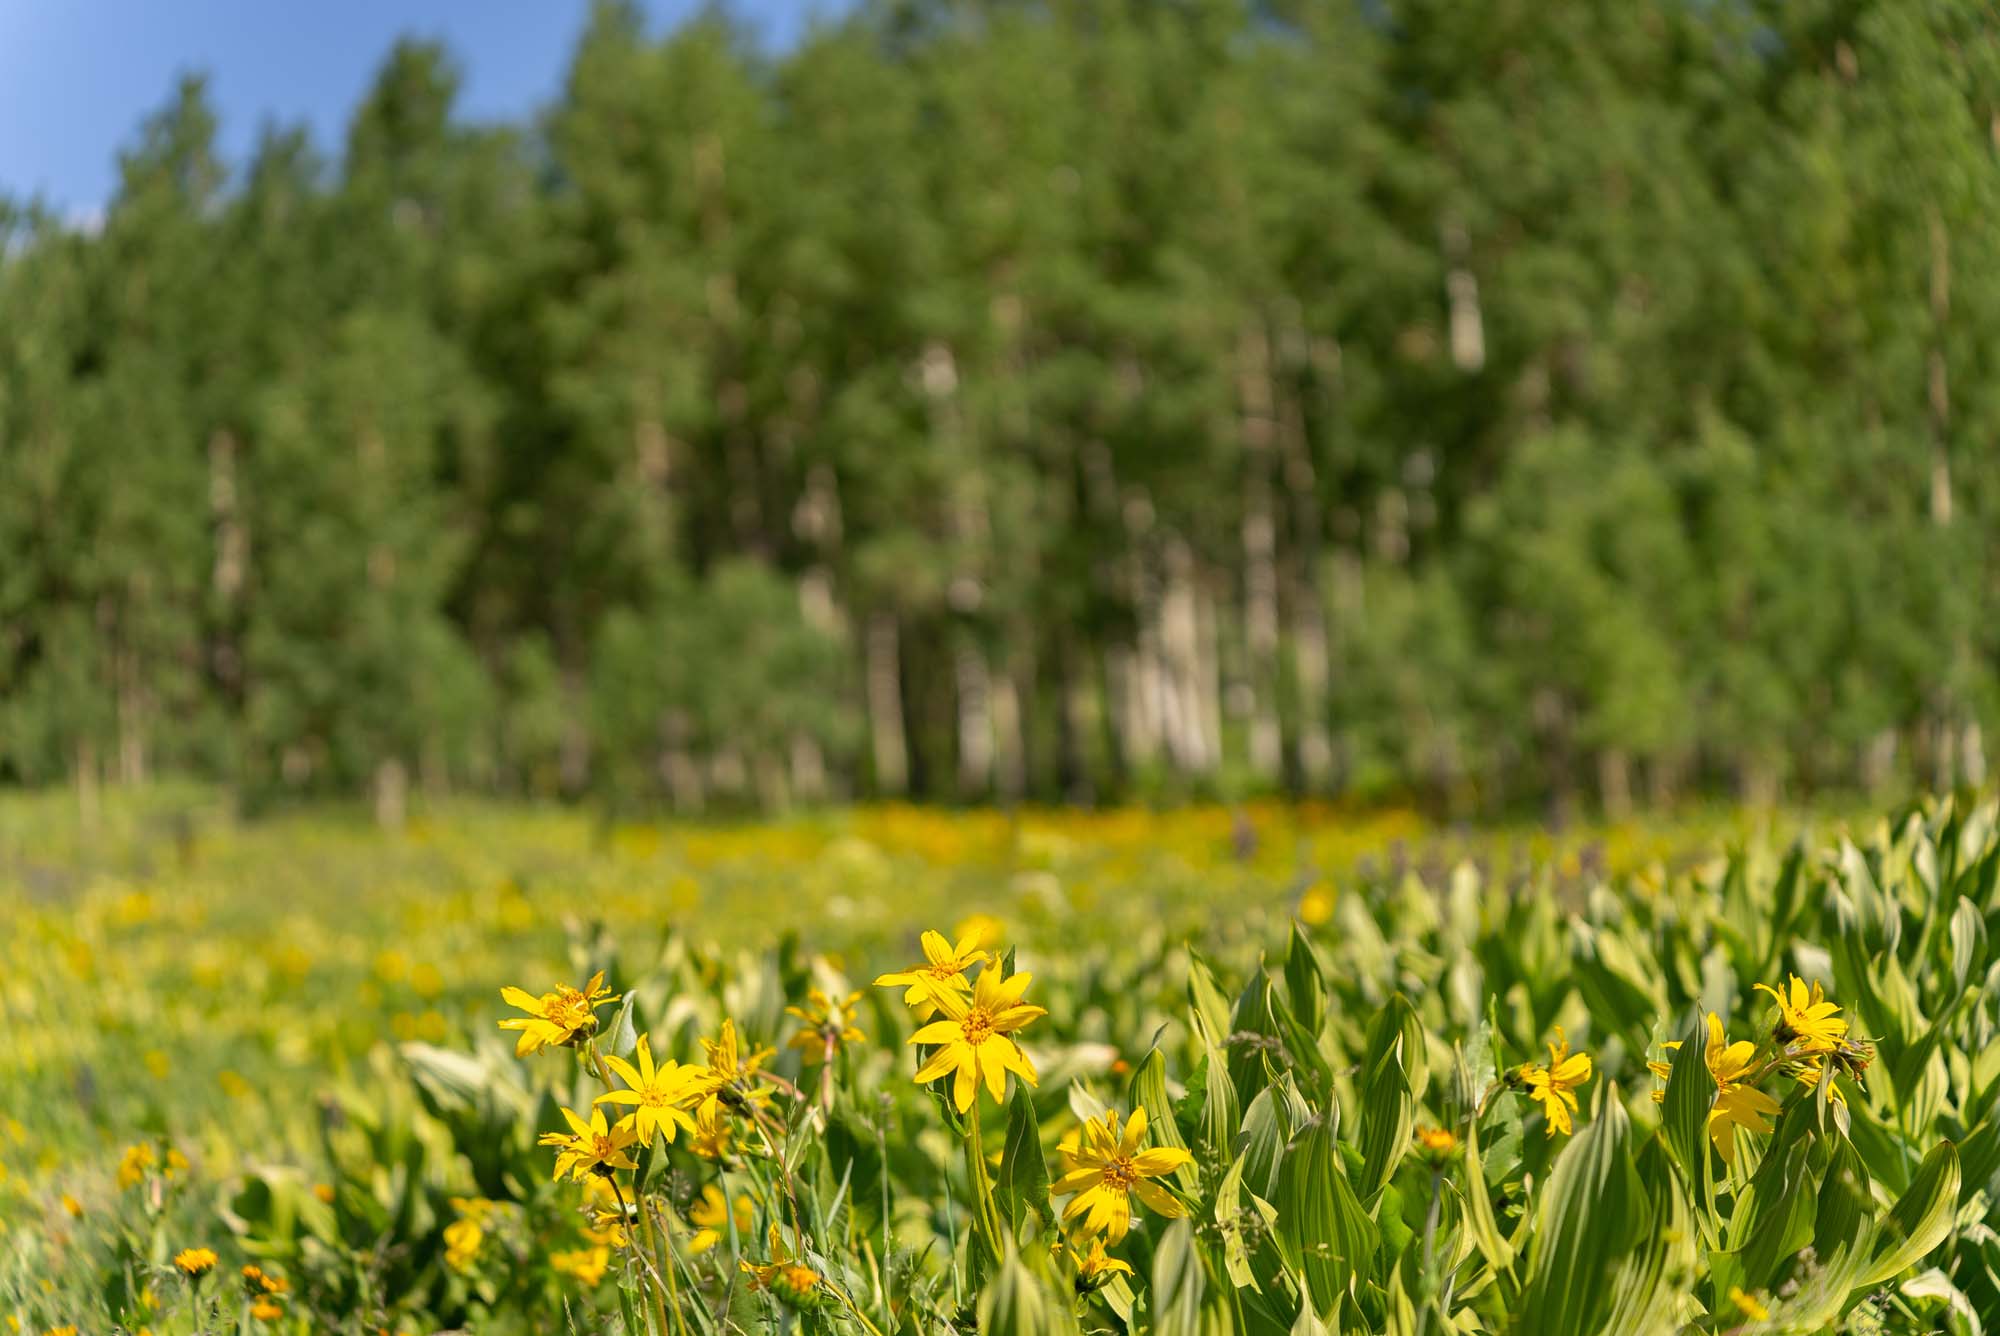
[
  {"x": 667, "y": 1260},
  {"x": 985, "y": 1216}
]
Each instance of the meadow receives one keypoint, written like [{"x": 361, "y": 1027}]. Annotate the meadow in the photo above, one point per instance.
[{"x": 1260, "y": 1069}]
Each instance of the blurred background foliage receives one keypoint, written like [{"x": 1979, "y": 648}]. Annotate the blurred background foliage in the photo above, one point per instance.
[{"x": 1481, "y": 406}]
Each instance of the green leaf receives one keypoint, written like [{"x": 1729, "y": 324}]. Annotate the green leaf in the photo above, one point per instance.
[
  {"x": 1486, "y": 1235},
  {"x": 1243, "y": 1219},
  {"x": 1211, "y": 1008},
  {"x": 1920, "y": 1219},
  {"x": 1775, "y": 1218},
  {"x": 1020, "y": 1302},
  {"x": 1023, "y": 1181},
  {"x": 1266, "y": 1129},
  {"x": 1388, "y": 1101},
  {"x": 1323, "y": 1232},
  {"x": 1148, "y": 1090},
  {"x": 1592, "y": 1213},
  {"x": 1648, "y": 1289},
  {"x": 1178, "y": 1283},
  {"x": 1690, "y": 1094},
  {"x": 622, "y": 1039},
  {"x": 1845, "y": 1208},
  {"x": 1305, "y": 981}
]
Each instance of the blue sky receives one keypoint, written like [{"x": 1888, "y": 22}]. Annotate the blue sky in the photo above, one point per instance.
[{"x": 77, "y": 76}]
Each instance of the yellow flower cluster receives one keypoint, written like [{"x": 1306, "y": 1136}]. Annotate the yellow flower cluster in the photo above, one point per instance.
[{"x": 974, "y": 1043}]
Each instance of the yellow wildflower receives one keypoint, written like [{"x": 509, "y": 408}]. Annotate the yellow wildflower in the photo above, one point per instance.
[
  {"x": 135, "y": 1164},
  {"x": 783, "y": 1275},
  {"x": 1550, "y": 1086},
  {"x": 1094, "y": 1266},
  {"x": 592, "y": 1147},
  {"x": 195, "y": 1262},
  {"x": 829, "y": 1024},
  {"x": 712, "y": 1214},
  {"x": 324, "y": 1192},
  {"x": 71, "y": 1206},
  {"x": 1106, "y": 1168},
  {"x": 462, "y": 1238},
  {"x": 943, "y": 971},
  {"x": 731, "y": 1075},
  {"x": 1316, "y": 904},
  {"x": 267, "y": 1310},
  {"x": 1437, "y": 1143},
  {"x": 1736, "y": 1104},
  {"x": 1748, "y": 1305},
  {"x": 561, "y": 1019},
  {"x": 661, "y": 1094},
  {"x": 710, "y": 1138},
  {"x": 585, "y": 1264},
  {"x": 1806, "y": 1018},
  {"x": 973, "y": 1041}
]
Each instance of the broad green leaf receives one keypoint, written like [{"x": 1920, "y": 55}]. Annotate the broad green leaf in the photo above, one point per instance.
[
  {"x": 1022, "y": 1184},
  {"x": 1305, "y": 981},
  {"x": 1591, "y": 1215},
  {"x": 1845, "y": 1209},
  {"x": 1323, "y": 1232},
  {"x": 1261, "y": 1145},
  {"x": 1689, "y": 1095},
  {"x": 1211, "y": 1008},
  {"x": 1919, "y": 1220},
  {"x": 1178, "y": 1283},
  {"x": 1388, "y": 1101},
  {"x": 1780, "y": 1205},
  {"x": 1648, "y": 1291},
  {"x": 622, "y": 1038},
  {"x": 1148, "y": 1090},
  {"x": 1019, "y": 1302},
  {"x": 1486, "y": 1236},
  {"x": 1221, "y": 1113}
]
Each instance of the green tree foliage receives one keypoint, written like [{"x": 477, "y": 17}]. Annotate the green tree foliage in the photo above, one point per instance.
[{"x": 1039, "y": 398}]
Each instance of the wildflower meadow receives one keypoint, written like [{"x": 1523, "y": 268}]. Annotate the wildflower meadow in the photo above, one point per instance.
[{"x": 1275, "y": 1070}]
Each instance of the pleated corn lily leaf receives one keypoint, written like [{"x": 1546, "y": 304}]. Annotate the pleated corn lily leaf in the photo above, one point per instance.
[
  {"x": 1325, "y": 1234},
  {"x": 1592, "y": 1214}
]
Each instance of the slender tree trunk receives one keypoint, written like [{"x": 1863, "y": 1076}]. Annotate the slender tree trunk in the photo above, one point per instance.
[
  {"x": 1181, "y": 650},
  {"x": 1468, "y": 326},
  {"x": 975, "y": 718},
  {"x": 1310, "y": 657},
  {"x": 687, "y": 788},
  {"x": 231, "y": 565},
  {"x": 1208, "y": 671},
  {"x": 1260, "y": 542},
  {"x": 1944, "y": 708},
  {"x": 1010, "y": 768},
  {"x": 885, "y": 705},
  {"x": 87, "y": 805},
  {"x": 392, "y": 794},
  {"x": 1614, "y": 782},
  {"x": 131, "y": 709}
]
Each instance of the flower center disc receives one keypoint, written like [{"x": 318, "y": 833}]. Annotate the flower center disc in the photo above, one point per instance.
[{"x": 978, "y": 1024}]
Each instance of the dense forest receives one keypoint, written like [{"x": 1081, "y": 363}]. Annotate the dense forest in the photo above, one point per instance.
[{"x": 1473, "y": 404}]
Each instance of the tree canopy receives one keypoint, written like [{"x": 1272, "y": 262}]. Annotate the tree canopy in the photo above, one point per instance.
[{"x": 1059, "y": 399}]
